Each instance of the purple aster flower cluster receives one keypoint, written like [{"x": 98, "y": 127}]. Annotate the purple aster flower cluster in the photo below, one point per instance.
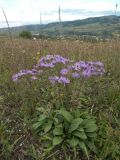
[
  {"x": 22, "y": 73},
  {"x": 51, "y": 60},
  {"x": 76, "y": 70},
  {"x": 87, "y": 69},
  {"x": 56, "y": 79}
]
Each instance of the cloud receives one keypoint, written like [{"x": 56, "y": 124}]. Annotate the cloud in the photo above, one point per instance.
[
  {"x": 88, "y": 12},
  {"x": 11, "y": 23},
  {"x": 28, "y": 11}
]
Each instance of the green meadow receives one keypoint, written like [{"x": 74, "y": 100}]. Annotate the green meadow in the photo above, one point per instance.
[{"x": 44, "y": 121}]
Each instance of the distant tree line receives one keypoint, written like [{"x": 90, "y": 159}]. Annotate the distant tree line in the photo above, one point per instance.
[{"x": 25, "y": 34}]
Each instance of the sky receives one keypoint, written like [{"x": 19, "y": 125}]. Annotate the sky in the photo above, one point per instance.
[{"x": 22, "y": 12}]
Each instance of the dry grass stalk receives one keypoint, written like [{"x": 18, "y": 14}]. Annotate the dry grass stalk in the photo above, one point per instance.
[{"x": 10, "y": 33}]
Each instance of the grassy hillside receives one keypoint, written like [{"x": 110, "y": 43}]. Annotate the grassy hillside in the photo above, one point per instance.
[{"x": 98, "y": 26}]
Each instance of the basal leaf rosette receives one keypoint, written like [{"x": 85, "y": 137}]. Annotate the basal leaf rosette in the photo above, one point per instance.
[{"x": 67, "y": 129}]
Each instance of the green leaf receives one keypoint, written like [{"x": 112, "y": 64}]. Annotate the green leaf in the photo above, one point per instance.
[
  {"x": 88, "y": 122},
  {"x": 41, "y": 109},
  {"x": 92, "y": 128},
  {"x": 48, "y": 149},
  {"x": 46, "y": 137},
  {"x": 80, "y": 135},
  {"x": 59, "y": 125},
  {"x": 58, "y": 131},
  {"x": 83, "y": 148},
  {"x": 60, "y": 118},
  {"x": 66, "y": 115},
  {"x": 80, "y": 129},
  {"x": 48, "y": 126},
  {"x": 46, "y": 143},
  {"x": 77, "y": 113},
  {"x": 37, "y": 125},
  {"x": 56, "y": 120},
  {"x": 42, "y": 118},
  {"x": 66, "y": 125},
  {"x": 92, "y": 146},
  {"x": 57, "y": 140},
  {"x": 92, "y": 135},
  {"x": 73, "y": 142},
  {"x": 75, "y": 124}
]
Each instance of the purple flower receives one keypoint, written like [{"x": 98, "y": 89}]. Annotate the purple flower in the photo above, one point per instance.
[
  {"x": 47, "y": 65},
  {"x": 53, "y": 79},
  {"x": 93, "y": 71},
  {"x": 46, "y": 61},
  {"x": 80, "y": 65},
  {"x": 22, "y": 73},
  {"x": 51, "y": 60},
  {"x": 15, "y": 78},
  {"x": 86, "y": 73},
  {"x": 18, "y": 75},
  {"x": 56, "y": 79},
  {"x": 49, "y": 57},
  {"x": 97, "y": 63},
  {"x": 75, "y": 75},
  {"x": 71, "y": 67},
  {"x": 87, "y": 69},
  {"x": 34, "y": 71},
  {"x": 60, "y": 59},
  {"x": 64, "y": 71},
  {"x": 63, "y": 80}
]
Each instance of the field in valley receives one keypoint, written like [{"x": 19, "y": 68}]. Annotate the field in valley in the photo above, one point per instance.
[{"x": 40, "y": 120}]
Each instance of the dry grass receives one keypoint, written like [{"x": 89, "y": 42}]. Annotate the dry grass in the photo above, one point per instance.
[{"x": 20, "y": 54}]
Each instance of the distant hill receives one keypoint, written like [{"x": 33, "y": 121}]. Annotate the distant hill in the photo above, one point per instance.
[{"x": 104, "y": 26}]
